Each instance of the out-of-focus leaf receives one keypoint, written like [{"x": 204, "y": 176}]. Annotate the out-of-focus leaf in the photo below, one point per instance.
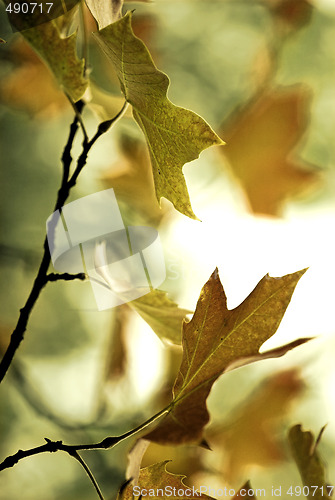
[
  {"x": 105, "y": 11},
  {"x": 132, "y": 181},
  {"x": 174, "y": 135},
  {"x": 30, "y": 87},
  {"x": 311, "y": 468},
  {"x": 260, "y": 140},
  {"x": 250, "y": 435},
  {"x": 2, "y": 40},
  {"x": 214, "y": 339},
  {"x": 245, "y": 492},
  {"x": 294, "y": 13},
  {"x": 159, "y": 483},
  {"x": 162, "y": 314},
  {"x": 60, "y": 55}
]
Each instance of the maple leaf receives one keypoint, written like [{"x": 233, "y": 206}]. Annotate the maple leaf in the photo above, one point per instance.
[
  {"x": 249, "y": 436},
  {"x": 215, "y": 339},
  {"x": 311, "y": 468},
  {"x": 174, "y": 135},
  {"x": 156, "y": 482},
  {"x": 260, "y": 140},
  {"x": 60, "y": 55},
  {"x": 245, "y": 492}
]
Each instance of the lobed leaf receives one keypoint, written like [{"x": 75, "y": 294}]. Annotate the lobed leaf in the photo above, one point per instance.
[
  {"x": 215, "y": 339},
  {"x": 311, "y": 468},
  {"x": 157, "y": 482},
  {"x": 260, "y": 141},
  {"x": 174, "y": 135}
]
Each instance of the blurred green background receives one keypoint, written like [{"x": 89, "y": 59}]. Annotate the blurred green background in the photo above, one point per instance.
[{"x": 73, "y": 379}]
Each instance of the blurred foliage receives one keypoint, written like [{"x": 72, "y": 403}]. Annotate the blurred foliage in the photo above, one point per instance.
[{"x": 229, "y": 61}]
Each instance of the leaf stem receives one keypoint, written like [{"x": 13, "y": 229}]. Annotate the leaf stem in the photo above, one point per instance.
[{"x": 84, "y": 465}]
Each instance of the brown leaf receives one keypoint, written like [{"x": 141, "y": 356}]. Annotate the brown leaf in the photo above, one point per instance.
[
  {"x": 260, "y": 141},
  {"x": 250, "y": 435},
  {"x": 156, "y": 482},
  {"x": 214, "y": 339},
  {"x": 311, "y": 468}
]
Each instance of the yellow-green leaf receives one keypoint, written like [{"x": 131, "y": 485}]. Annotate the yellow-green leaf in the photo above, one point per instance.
[
  {"x": 174, "y": 135},
  {"x": 156, "y": 482},
  {"x": 162, "y": 314},
  {"x": 311, "y": 468},
  {"x": 215, "y": 339},
  {"x": 60, "y": 55}
]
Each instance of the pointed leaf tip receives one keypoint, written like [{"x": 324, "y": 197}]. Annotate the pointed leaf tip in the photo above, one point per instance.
[
  {"x": 174, "y": 135},
  {"x": 217, "y": 339}
]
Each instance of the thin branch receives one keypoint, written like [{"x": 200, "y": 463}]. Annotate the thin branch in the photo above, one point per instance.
[
  {"x": 65, "y": 276},
  {"x": 66, "y": 185},
  {"x": 89, "y": 473},
  {"x": 53, "y": 446}
]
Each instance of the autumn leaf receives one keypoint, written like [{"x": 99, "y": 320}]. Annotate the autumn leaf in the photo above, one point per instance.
[
  {"x": 250, "y": 435},
  {"x": 311, "y": 468},
  {"x": 260, "y": 142},
  {"x": 60, "y": 55},
  {"x": 214, "y": 339},
  {"x": 174, "y": 135},
  {"x": 162, "y": 314},
  {"x": 245, "y": 492},
  {"x": 156, "y": 482}
]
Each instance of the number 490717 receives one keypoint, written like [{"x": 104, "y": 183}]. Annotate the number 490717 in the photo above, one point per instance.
[
  {"x": 29, "y": 8},
  {"x": 310, "y": 491}
]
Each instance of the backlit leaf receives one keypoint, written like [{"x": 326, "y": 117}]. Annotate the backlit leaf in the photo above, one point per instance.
[
  {"x": 260, "y": 141},
  {"x": 214, "y": 339},
  {"x": 60, "y": 55},
  {"x": 162, "y": 314},
  {"x": 156, "y": 482},
  {"x": 105, "y": 11},
  {"x": 174, "y": 135},
  {"x": 311, "y": 468}
]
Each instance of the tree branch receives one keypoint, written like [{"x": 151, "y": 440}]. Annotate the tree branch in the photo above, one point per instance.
[
  {"x": 53, "y": 446},
  {"x": 65, "y": 277},
  {"x": 66, "y": 185},
  {"x": 89, "y": 473}
]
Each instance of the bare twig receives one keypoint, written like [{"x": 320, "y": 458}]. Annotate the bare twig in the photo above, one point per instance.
[
  {"x": 65, "y": 277},
  {"x": 89, "y": 473},
  {"x": 53, "y": 446},
  {"x": 66, "y": 185}
]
